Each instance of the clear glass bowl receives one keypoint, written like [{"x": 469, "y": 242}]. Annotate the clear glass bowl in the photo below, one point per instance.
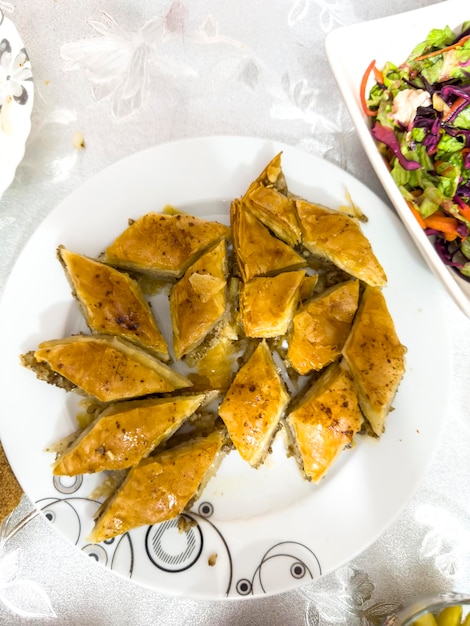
[{"x": 433, "y": 604}]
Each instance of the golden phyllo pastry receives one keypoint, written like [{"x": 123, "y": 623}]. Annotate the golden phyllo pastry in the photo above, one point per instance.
[
  {"x": 321, "y": 326},
  {"x": 307, "y": 288},
  {"x": 376, "y": 358},
  {"x": 112, "y": 302},
  {"x": 288, "y": 282},
  {"x": 272, "y": 175},
  {"x": 198, "y": 301},
  {"x": 215, "y": 366},
  {"x": 258, "y": 252},
  {"x": 124, "y": 433},
  {"x": 107, "y": 368},
  {"x": 275, "y": 210},
  {"x": 254, "y": 405},
  {"x": 267, "y": 304},
  {"x": 337, "y": 237},
  {"x": 164, "y": 245},
  {"x": 325, "y": 421},
  {"x": 269, "y": 201},
  {"x": 160, "y": 487}
]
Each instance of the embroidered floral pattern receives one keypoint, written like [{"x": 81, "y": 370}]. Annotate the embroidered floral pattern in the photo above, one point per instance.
[
  {"x": 21, "y": 596},
  {"x": 350, "y": 603},
  {"x": 332, "y": 12},
  {"x": 117, "y": 63},
  {"x": 447, "y": 542},
  {"x": 120, "y": 63}
]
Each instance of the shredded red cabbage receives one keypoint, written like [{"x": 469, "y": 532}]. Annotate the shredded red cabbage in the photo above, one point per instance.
[
  {"x": 435, "y": 122},
  {"x": 462, "y": 91},
  {"x": 387, "y": 136}
]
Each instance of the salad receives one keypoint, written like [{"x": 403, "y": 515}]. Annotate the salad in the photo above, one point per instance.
[{"x": 420, "y": 117}]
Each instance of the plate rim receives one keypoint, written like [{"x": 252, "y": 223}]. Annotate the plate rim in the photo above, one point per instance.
[{"x": 246, "y": 141}]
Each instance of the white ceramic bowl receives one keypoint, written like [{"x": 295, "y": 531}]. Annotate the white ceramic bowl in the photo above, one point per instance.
[{"x": 350, "y": 49}]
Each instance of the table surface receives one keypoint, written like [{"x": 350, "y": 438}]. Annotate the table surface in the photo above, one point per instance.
[{"x": 224, "y": 68}]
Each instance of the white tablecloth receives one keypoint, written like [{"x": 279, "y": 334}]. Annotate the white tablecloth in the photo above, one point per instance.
[{"x": 195, "y": 69}]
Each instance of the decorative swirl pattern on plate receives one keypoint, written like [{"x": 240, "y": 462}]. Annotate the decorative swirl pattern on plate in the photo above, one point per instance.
[
  {"x": 285, "y": 559},
  {"x": 171, "y": 549}
]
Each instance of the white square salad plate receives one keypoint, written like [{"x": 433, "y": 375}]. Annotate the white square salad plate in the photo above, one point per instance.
[{"x": 350, "y": 49}]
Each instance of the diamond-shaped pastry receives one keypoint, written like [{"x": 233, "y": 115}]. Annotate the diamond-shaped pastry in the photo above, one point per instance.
[
  {"x": 164, "y": 245},
  {"x": 160, "y": 487},
  {"x": 198, "y": 301},
  {"x": 124, "y": 433},
  {"x": 376, "y": 357},
  {"x": 254, "y": 405},
  {"x": 258, "y": 252},
  {"x": 321, "y": 326},
  {"x": 105, "y": 367},
  {"x": 325, "y": 421},
  {"x": 112, "y": 302},
  {"x": 337, "y": 237},
  {"x": 267, "y": 304}
]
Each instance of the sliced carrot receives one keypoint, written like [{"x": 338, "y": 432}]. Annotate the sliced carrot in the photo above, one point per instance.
[
  {"x": 362, "y": 93},
  {"x": 417, "y": 214},
  {"x": 378, "y": 75},
  {"x": 444, "y": 223},
  {"x": 453, "y": 108},
  {"x": 436, "y": 52}
]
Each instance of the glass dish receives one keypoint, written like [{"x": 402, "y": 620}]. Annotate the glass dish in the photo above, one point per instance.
[{"x": 433, "y": 604}]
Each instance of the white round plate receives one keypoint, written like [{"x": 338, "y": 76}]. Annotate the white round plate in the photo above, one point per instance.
[
  {"x": 269, "y": 530},
  {"x": 16, "y": 100}
]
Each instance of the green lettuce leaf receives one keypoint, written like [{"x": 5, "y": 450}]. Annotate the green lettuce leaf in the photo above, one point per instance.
[{"x": 437, "y": 38}]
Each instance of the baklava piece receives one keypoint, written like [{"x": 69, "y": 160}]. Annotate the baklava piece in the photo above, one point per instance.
[
  {"x": 337, "y": 237},
  {"x": 112, "y": 302},
  {"x": 325, "y": 422},
  {"x": 254, "y": 405},
  {"x": 272, "y": 175},
  {"x": 198, "y": 301},
  {"x": 268, "y": 200},
  {"x": 124, "y": 433},
  {"x": 321, "y": 326},
  {"x": 164, "y": 246},
  {"x": 160, "y": 487},
  {"x": 258, "y": 252},
  {"x": 104, "y": 367},
  {"x": 267, "y": 304},
  {"x": 376, "y": 358}
]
